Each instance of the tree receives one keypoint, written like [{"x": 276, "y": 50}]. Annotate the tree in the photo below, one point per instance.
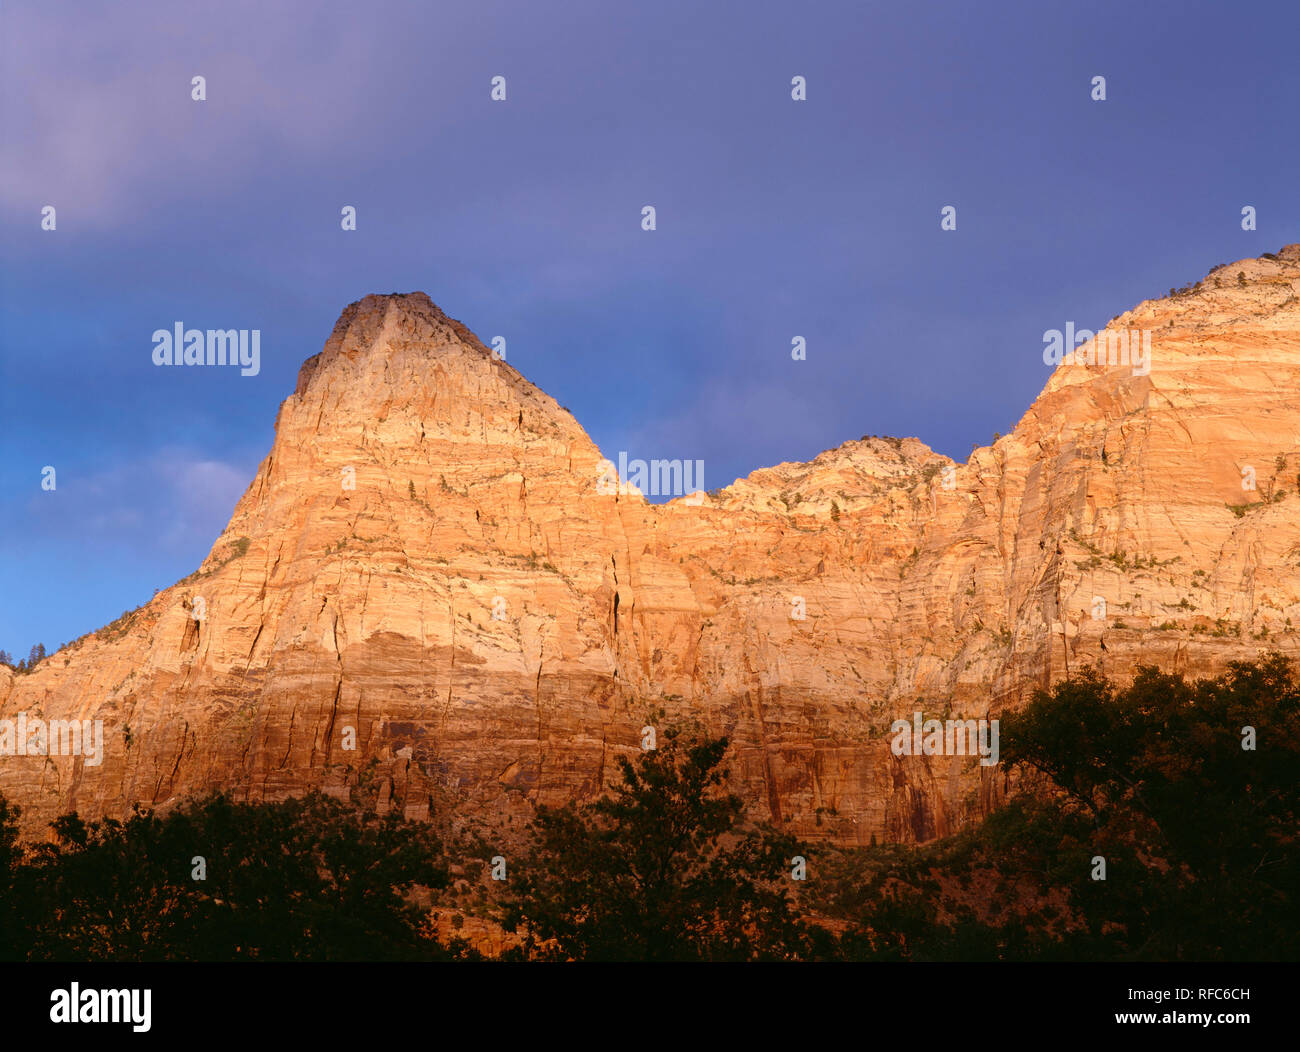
[
  {"x": 1197, "y": 833},
  {"x": 304, "y": 879},
  {"x": 660, "y": 868},
  {"x": 11, "y": 855},
  {"x": 1191, "y": 787}
]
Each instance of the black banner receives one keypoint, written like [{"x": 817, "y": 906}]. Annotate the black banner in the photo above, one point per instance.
[{"x": 1217, "y": 1003}]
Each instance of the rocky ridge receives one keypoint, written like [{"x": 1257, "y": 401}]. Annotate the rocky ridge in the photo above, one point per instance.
[{"x": 426, "y": 564}]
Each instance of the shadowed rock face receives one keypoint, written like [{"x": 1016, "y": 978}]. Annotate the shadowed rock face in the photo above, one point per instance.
[{"x": 330, "y": 613}]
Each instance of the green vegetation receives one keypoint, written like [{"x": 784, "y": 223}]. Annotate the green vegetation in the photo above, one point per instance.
[
  {"x": 1186, "y": 790},
  {"x": 119, "y": 627},
  {"x": 238, "y": 549},
  {"x": 34, "y": 658},
  {"x": 1198, "y": 835},
  {"x": 662, "y": 868},
  {"x": 307, "y": 879}
]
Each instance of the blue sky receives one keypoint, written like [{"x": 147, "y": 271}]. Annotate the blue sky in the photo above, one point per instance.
[{"x": 775, "y": 219}]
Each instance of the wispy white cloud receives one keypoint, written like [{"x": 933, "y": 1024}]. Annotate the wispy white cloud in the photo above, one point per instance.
[{"x": 175, "y": 501}]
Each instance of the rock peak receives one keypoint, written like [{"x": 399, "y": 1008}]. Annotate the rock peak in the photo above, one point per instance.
[
  {"x": 389, "y": 325},
  {"x": 429, "y": 556},
  {"x": 416, "y": 302}
]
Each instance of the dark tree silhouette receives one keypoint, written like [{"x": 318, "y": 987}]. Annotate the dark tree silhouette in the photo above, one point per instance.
[
  {"x": 306, "y": 879},
  {"x": 661, "y": 868},
  {"x": 1198, "y": 834}
]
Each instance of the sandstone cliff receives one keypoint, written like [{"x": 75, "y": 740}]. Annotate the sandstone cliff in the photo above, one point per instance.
[{"x": 417, "y": 487}]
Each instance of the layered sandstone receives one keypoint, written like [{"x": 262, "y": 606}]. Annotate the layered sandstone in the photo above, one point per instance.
[{"x": 427, "y": 561}]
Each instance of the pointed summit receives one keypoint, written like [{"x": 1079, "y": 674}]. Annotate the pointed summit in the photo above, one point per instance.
[
  {"x": 427, "y": 566},
  {"x": 390, "y": 325}
]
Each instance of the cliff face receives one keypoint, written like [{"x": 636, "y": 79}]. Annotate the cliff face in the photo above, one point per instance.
[{"x": 428, "y": 564}]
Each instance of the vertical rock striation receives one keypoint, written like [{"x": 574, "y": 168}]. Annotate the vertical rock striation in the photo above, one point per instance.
[{"x": 427, "y": 564}]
